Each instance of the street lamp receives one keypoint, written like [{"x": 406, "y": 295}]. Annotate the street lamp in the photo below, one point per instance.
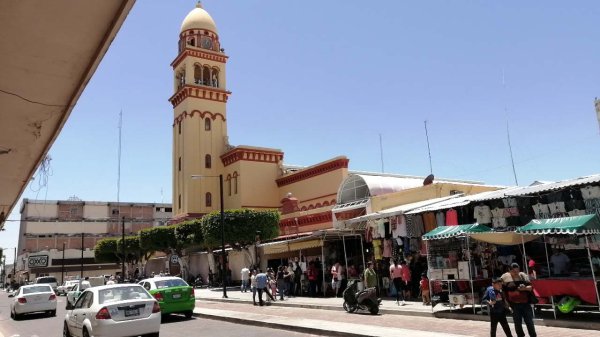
[{"x": 223, "y": 270}]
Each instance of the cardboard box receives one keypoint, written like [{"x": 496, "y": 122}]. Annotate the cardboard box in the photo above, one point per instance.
[{"x": 457, "y": 299}]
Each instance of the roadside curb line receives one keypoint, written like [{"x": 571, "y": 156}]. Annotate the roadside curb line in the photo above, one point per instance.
[
  {"x": 319, "y": 307},
  {"x": 445, "y": 315},
  {"x": 272, "y": 325}
]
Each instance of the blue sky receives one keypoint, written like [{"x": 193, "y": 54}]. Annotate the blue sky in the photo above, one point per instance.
[{"x": 319, "y": 79}]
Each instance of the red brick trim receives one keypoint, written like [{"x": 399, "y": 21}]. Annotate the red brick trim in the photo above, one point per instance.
[
  {"x": 202, "y": 54},
  {"x": 237, "y": 154},
  {"x": 202, "y": 92},
  {"x": 201, "y": 114},
  {"x": 313, "y": 172},
  {"x": 307, "y": 220},
  {"x": 323, "y": 196}
]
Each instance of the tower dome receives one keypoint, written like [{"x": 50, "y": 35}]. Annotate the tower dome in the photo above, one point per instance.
[{"x": 198, "y": 18}]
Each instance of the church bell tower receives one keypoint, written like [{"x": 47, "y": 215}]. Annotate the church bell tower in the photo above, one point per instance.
[{"x": 200, "y": 119}]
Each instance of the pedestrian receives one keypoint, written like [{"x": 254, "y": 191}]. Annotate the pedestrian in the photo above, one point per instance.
[
  {"x": 336, "y": 281},
  {"x": 498, "y": 307},
  {"x": 424, "y": 288},
  {"x": 272, "y": 283},
  {"x": 111, "y": 280},
  {"x": 253, "y": 285},
  {"x": 518, "y": 290},
  {"x": 282, "y": 281},
  {"x": 370, "y": 276},
  {"x": 406, "y": 277},
  {"x": 311, "y": 274},
  {"x": 245, "y": 278},
  {"x": 396, "y": 276},
  {"x": 290, "y": 279},
  {"x": 262, "y": 280}
]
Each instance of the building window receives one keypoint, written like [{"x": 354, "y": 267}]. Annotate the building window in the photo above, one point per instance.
[
  {"x": 207, "y": 161},
  {"x": 179, "y": 127},
  {"x": 208, "y": 199},
  {"x": 115, "y": 211},
  {"x": 229, "y": 184},
  {"x": 235, "y": 182},
  {"x": 179, "y": 201},
  {"x": 179, "y": 164},
  {"x": 192, "y": 42},
  {"x": 207, "y": 124}
]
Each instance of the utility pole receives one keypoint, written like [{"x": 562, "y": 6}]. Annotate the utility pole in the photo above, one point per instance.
[
  {"x": 15, "y": 265},
  {"x": 81, "y": 276},
  {"x": 62, "y": 267}
]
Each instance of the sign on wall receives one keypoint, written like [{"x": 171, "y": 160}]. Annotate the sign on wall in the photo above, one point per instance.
[{"x": 38, "y": 261}]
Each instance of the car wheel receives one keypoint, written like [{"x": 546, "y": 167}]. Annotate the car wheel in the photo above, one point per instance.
[
  {"x": 53, "y": 313},
  {"x": 85, "y": 333},
  {"x": 66, "y": 332},
  {"x": 189, "y": 314},
  {"x": 156, "y": 334}
]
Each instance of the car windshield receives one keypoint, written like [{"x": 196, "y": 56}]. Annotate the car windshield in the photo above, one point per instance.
[
  {"x": 170, "y": 283},
  {"x": 47, "y": 280},
  {"x": 122, "y": 293},
  {"x": 36, "y": 289}
]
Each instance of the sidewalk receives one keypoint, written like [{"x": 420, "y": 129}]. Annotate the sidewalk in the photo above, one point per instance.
[{"x": 389, "y": 308}]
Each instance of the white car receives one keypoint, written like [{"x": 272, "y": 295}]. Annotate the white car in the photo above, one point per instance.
[
  {"x": 51, "y": 280},
  {"x": 65, "y": 287},
  {"x": 33, "y": 298},
  {"x": 115, "y": 310},
  {"x": 76, "y": 290}
]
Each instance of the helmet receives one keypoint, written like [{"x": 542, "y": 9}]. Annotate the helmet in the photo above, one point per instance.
[{"x": 567, "y": 304}]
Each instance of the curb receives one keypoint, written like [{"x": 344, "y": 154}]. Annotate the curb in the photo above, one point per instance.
[
  {"x": 271, "y": 325},
  {"x": 320, "y": 307},
  {"x": 585, "y": 325}
]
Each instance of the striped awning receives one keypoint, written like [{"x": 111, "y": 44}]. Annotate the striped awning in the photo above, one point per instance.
[
  {"x": 446, "y": 232},
  {"x": 581, "y": 225}
]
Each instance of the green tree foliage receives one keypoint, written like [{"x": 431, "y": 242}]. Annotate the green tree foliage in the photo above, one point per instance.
[
  {"x": 106, "y": 251},
  {"x": 241, "y": 226},
  {"x": 188, "y": 234},
  {"x": 158, "y": 239}
]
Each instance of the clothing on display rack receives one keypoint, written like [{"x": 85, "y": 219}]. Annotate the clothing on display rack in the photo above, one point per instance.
[
  {"x": 440, "y": 219},
  {"x": 400, "y": 228},
  {"x": 414, "y": 226},
  {"x": 557, "y": 207},
  {"x": 429, "y": 221},
  {"x": 590, "y": 192},
  {"x": 387, "y": 248},
  {"x": 509, "y": 202},
  {"x": 482, "y": 214},
  {"x": 377, "y": 249},
  {"x": 451, "y": 217},
  {"x": 542, "y": 211},
  {"x": 499, "y": 222},
  {"x": 387, "y": 230},
  {"x": 369, "y": 234}
]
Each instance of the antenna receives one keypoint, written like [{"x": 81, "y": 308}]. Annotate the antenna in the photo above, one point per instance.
[
  {"x": 428, "y": 148},
  {"x": 512, "y": 160},
  {"x": 381, "y": 152}
]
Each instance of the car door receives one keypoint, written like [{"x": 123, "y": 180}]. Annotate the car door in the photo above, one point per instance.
[{"x": 77, "y": 315}]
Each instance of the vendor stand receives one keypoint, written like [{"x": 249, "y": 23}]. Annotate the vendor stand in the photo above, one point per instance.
[
  {"x": 449, "y": 262},
  {"x": 580, "y": 231}
]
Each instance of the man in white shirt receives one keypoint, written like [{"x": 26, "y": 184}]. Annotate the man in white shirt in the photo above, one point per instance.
[
  {"x": 245, "y": 278},
  {"x": 560, "y": 263}
]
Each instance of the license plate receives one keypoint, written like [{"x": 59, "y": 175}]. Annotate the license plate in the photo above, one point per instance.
[
  {"x": 132, "y": 312},
  {"x": 176, "y": 295}
]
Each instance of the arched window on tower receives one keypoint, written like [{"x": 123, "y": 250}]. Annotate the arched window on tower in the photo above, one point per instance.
[
  {"x": 208, "y": 199},
  {"x": 197, "y": 74},
  {"x": 229, "y": 184},
  {"x": 207, "y": 161},
  {"x": 192, "y": 42},
  {"x": 207, "y": 124},
  {"x": 235, "y": 182},
  {"x": 215, "y": 77},
  {"x": 206, "y": 75}
]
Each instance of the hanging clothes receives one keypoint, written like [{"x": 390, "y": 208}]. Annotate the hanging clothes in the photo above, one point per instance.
[
  {"x": 387, "y": 248},
  {"x": 400, "y": 227},
  {"x": 414, "y": 226},
  {"x": 482, "y": 214},
  {"x": 451, "y": 217},
  {"x": 369, "y": 234},
  {"x": 429, "y": 221},
  {"x": 440, "y": 219},
  {"x": 377, "y": 249}
]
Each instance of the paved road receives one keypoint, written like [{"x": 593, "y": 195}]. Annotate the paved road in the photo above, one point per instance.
[{"x": 174, "y": 326}]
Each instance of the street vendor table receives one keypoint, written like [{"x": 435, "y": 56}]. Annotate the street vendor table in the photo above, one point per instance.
[{"x": 582, "y": 288}]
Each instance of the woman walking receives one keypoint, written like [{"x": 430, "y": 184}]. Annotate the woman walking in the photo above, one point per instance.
[{"x": 396, "y": 275}]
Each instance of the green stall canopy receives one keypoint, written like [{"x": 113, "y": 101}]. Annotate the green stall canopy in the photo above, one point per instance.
[
  {"x": 446, "y": 232},
  {"x": 583, "y": 224}
]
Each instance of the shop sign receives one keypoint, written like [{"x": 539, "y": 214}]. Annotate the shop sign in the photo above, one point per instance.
[
  {"x": 38, "y": 261},
  {"x": 174, "y": 259}
]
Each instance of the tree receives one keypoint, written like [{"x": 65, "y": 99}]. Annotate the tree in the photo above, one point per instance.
[
  {"x": 158, "y": 239},
  {"x": 241, "y": 227},
  {"x": 106, "y": 251}
]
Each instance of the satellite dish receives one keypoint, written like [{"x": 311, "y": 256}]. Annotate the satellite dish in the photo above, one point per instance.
[{"x": 428, "y": 180}]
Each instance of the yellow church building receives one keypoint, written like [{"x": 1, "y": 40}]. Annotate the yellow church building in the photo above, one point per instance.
[{"x": 311, "y": 199}]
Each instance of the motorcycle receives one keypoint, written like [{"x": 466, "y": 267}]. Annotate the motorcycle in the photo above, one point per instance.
[
  {"x": 361, "y": 300},
  {"x": 199, "y": 283}
]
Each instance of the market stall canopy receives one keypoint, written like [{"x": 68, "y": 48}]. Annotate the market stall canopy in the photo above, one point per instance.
[
  {"x": 583, "y": 224},
  {"x": 503, "y": 238},
  {"x": 446, "y": 232}
]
